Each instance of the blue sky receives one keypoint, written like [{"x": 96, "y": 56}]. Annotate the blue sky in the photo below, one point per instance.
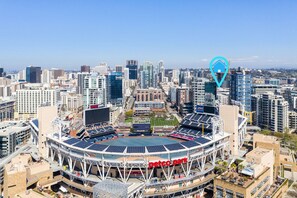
[{"x": 71, "y": 33}]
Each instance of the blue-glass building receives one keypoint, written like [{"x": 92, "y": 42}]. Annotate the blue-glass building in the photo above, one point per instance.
[
  {"x": 241, "y": 87},
  {"x": 211, "y": 87},
  {"x": 33, "y": 74},
  {"x": 2, "y": 74},
  {"x": 132, "y": 65},
  {"x": 114, "y": 86}
]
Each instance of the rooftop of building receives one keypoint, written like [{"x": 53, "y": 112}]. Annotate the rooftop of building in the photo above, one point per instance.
[
  {"x": 18, "y": 163},
  {"x": 8, "y": 127},
  {"x": 5, "y": 101},
  {"x": 149, "y": 89},
  {"x": 257, "y": 153},
  {"x": 264, "y": 86},
  {"x": 24, "y": 162},
  {"x": 150, "y": 102},
  {"x": 237, "y": 178},
  {"x": 265, "y": 138},
  {"x": 287, "y": 158},
  {"x": 248, "y": 170},
  {"x": 29, "y": 194}
]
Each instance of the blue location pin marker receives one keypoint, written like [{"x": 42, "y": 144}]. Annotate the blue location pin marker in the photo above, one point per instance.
[{"x": 218, "y": 65}]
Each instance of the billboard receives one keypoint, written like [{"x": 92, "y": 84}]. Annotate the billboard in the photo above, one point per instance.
[
  {"x": 206, "y": 109},
  {"x": 199, "y": 108},
  {"x": 96, "y": 116},
  {"x": 142, "y": 128}
]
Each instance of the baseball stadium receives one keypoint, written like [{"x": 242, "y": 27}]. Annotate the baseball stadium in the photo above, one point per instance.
[{"x": 100, "y": 162}]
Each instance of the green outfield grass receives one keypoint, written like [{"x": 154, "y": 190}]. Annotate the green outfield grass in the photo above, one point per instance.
[
  {"x": 160, "y": 121},
  {"x": 128, "y": 120}
]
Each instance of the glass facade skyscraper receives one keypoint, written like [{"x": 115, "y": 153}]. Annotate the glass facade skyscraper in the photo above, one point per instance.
[
  {"x": 2, "y": 74},
  {"x": 132, "y": 65},
  {"x": 241, "y": 87},
  {"x": 33, "y": 74},
  {"x": 147, "y": 75},
  {"x": 115, "y": 88}
]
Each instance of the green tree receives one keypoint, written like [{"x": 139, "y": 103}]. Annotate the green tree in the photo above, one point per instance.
[{"x": 129, "y": 113}]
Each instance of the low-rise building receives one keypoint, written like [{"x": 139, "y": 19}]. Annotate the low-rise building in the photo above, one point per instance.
[
  {"x": 288, "y": 164},
  {"x": 22, "y": 173},
  {"x": 73, "y": 102},
  {"x": 6, "y": 110},
  {"x": 254, "y": 178},
  {"x": 12, "y": 134},
  {"x": 150, "y": 94},
  {"x": 285, "y": 163},
  {"x": 150, "y": 104},
  {"x": 268, "y": 142}
]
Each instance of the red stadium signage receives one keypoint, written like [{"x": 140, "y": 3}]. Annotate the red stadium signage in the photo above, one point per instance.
[
  {"x": 168, "y": 163},
  {"x": 95, "y": 106}
]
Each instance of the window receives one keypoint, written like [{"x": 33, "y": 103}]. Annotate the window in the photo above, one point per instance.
[
  {"x": 239, "y": 195},
  {"x": 229, "y": 193}
]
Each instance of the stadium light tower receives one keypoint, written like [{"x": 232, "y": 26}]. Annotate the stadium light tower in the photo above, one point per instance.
[
  {"x": 58, "y": 122},
  {"x": 217, "y": 126}
]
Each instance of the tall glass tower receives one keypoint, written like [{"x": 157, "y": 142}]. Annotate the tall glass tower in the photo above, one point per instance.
[
  {"x": 241, "y": 87},
  {"x": 115, "y": 88},
  {"x": 132, "y": 65},
  {"x": 33, "y": 74}
]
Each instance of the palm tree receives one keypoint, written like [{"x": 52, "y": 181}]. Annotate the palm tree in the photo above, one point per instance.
[
  {"x": 225, "y": 164},
  {"x": 233, "y": 166},
  {"x": 240, "y": 167}
]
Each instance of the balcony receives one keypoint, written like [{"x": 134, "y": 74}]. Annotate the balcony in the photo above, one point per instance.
[
  {"x": 275, "y": 187},
  {"x": 236, "y": 178},
  {"x": 178, "y": 186}
]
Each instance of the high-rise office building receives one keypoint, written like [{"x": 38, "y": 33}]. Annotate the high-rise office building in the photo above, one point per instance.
[
  {"x": 161, "y": 71},
  {"x": 85, "y": 68},
  {"x": 46, "y": 76},
  {"x": 185, "y": 78},
  {"x": 290, "y": 95},
  {"x": 172, "y": 93},
  {"x": 119, "y": 68},
  {"x": 183, "y": 101},
  {"x": 132, "y": 65},
  {"x": 33, "y": 74},
  {"x": 114, "y": 86},
  {"x": 175, "y": 76},
  {"x": 57, "y": 73},
  {"x": 80, "y": 82},
  {"x": 211, "y": 87},
  {"x": 255, "y": 107},
  {"x": 198, "y": 91},
  {"x": 2, "y": 74},
  {"x": 210, "y": 94},
  {"x": 28, "y": 100},
  {"x": 147, "y": 75},
  {"x": 182, "y": 95},
  {"x": 241, "y": 87},
  {"x": 101, "y": 69},
  {"x": 94, "y": 92},
  {"x": 273, "y": 112},
  {"x": 126, "y": 74}
]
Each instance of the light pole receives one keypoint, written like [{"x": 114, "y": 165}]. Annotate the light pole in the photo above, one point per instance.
[{"x": 57, "y": 121}]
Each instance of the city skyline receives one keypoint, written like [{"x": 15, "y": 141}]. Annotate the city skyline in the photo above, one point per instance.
[{"x": 184, "y": 34}]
